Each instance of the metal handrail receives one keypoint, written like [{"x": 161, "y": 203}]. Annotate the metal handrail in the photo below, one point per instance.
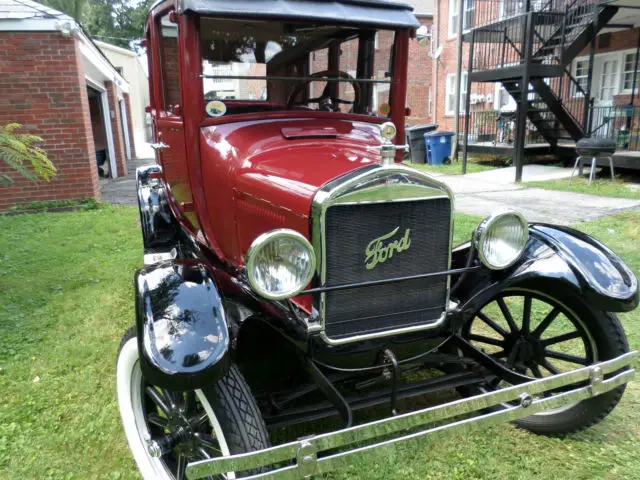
[{"x": 617, "y": 123}]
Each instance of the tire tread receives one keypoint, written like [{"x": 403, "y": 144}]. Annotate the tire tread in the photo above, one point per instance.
[
  {"x": 588, "y": 417},
  {"x": 238, "y": 413}
]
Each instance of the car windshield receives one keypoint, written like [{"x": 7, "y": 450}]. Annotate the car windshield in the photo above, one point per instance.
[{"x": 253, "y": 65}]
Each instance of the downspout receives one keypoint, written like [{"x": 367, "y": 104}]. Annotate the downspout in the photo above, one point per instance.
[
  {"x": 454, "y": 153},
  {"x": 435, "y": 45}
]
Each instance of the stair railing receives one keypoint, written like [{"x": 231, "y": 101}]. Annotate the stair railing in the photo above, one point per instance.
[{"x": 570, "y": 95}]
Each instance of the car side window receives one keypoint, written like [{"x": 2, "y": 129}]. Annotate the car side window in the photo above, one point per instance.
[{"x": 169, "y": 62}]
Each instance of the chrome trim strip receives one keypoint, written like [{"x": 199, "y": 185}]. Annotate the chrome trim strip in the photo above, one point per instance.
[
  {"x": 370, "y": 283},
  {"x": 528, "y": 398},
  {"x": 386, "y": 333},
  {"x": 360, "y": 187}
]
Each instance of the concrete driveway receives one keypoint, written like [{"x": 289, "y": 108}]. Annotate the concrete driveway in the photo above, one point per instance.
[
  {"x": 122, "y": 190},
  {"x": 476, "y": 193},
  {"x": 485, "y": 192}
]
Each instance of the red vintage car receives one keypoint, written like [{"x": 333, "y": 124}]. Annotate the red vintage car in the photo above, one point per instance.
[{"x": 296, "y": 270}]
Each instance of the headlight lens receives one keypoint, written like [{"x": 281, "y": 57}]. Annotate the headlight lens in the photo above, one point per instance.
[
  {"x": 280, "y": 264},
  {"x": 500, "y": 239}
]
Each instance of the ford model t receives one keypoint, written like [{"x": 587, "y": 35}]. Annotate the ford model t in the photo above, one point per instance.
[{"x": 296, "y": 270}]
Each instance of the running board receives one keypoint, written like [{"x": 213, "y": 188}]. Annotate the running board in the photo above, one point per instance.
[{"x": 524, "y": 400}]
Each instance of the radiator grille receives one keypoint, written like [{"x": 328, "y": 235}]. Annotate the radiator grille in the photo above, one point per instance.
[{"x": 350, "y": 229}]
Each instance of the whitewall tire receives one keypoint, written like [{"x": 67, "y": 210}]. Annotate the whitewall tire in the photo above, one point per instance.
[{"x": 216, "y": 425}]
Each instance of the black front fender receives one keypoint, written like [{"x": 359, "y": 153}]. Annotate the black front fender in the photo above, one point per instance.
[
  {"x": 183, "y": 337},
  {"x": 556, "y": 260}
]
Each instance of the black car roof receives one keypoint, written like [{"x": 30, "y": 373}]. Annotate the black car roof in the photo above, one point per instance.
[{"x": 379, "y": 13}]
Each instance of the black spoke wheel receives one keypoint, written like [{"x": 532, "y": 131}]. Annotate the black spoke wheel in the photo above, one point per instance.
[
  {"x": 180, "y": 427},
  {"x": 538, "y": 335},
  {"x": 531, "y": 334},
  {"x": 166, "y": 430}
]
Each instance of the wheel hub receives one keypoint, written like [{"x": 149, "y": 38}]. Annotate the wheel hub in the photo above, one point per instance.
[
  {"x": 525, "y": 351},
  {"x": 180, "y": 435}
]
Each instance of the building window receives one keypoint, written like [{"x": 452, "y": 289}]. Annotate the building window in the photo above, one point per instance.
[
  {"x": 453, "y": 17},
  {"x": 504, "y": 101},
  {"x": 627, "y": 76},
  {"x": 509, "y": 8},
  {"x": 581, "y": 74},
  {"x": 451, "y": 93},
  {"x": 468, "y": 15}
]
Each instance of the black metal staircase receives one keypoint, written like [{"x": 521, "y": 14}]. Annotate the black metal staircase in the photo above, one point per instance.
[
  {"x": 530, "y": 53},
  {"x": 575, "y": 30}
]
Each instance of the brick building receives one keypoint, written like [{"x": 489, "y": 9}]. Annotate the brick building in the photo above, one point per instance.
[
  {"x": 557, "y": 113},
  {"x": 57, "y": 84}
]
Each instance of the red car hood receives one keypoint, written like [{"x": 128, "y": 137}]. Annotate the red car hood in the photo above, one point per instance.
[{"x": 263, "y": 175}]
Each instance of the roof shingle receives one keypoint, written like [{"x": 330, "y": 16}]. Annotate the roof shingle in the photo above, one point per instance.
[{"x": 25, "y": 9}]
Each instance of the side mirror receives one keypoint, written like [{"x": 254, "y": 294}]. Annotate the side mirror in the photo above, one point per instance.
[{"x": 423, "y": 34}]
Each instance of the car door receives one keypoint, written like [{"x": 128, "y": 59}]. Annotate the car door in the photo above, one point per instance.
[{"x": 169, "y": 134}]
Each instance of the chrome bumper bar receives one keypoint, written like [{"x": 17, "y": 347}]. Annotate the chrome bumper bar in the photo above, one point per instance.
[{"x": 300, "y": 458}]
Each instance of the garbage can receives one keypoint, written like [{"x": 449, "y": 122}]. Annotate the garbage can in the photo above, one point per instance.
[
  {"x": 415, "y": 140},
  {"x": 438, "y": 146}
]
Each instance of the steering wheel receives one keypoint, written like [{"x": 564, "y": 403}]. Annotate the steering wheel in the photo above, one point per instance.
[{"x": 324, "y": 101}]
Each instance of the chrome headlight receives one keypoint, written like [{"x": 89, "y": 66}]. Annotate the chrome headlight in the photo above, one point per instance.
[
  {"x": 280, "y": 264},
  {"x": 500, "y": 239}
]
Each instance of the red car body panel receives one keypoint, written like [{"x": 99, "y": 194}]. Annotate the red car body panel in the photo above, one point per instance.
[
  {"x": 234, "y": 177},
  {"x": 263, "y": 175}
]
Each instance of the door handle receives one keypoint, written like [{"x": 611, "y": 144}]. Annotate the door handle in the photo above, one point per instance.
[{"x": 159, "y": 146}]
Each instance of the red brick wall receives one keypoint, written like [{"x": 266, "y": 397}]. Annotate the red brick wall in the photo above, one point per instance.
[
  {"x": 623, "y": 40},
  {"x": 42, "y": 87},
  {"x": 132, "y": 144},
  {"x": 116, "y": 128},
  {"x": 419, "y": 81},
  {"x": 447, "y": 64}
]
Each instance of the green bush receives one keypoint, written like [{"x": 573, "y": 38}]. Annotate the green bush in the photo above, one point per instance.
[{"x": 21, "y": 150}]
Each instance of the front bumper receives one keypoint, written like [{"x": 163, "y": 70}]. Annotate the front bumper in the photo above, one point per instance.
[{"x": 299, "y": 459}]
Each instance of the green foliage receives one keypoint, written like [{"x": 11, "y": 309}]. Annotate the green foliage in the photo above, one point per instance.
[
  {"x": 119, "y": 22},
  {"x": 73, "y": 8},
  {"x": 21, "y": 151},
  {"x": 81, "y": 204}
]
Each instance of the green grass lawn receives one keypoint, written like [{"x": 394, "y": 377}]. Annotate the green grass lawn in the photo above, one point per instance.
[
  {"x": 619, "y": 188},
  {"x": 66, "y": 299},
  {"x": 454, "y": 168}
]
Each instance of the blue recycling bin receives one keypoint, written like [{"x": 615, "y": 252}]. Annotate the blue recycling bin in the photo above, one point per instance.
[{"x": 438, "y": 146}]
